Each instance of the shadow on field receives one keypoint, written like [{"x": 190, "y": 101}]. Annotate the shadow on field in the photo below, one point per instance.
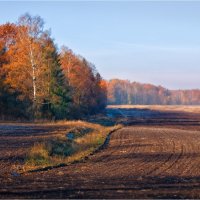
[
  {"x": 169, "y": 187},
  {"x": 136, "y": 116}
]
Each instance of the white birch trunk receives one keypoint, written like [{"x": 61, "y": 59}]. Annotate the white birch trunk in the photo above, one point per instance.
[{"x": 33, "y": 74}]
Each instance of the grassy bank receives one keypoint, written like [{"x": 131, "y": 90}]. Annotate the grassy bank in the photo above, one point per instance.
[{"x": 78, "y": 141}]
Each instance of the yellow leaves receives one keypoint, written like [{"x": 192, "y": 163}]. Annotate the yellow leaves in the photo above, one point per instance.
[{"x": 25, "y": 54}]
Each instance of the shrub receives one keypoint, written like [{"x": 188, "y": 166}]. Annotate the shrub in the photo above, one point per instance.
[
  {"x": 38, "y": 155},
  {"x": 61, "y": 147}
]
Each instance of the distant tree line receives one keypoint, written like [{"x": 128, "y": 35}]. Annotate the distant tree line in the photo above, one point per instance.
[
  {"x": 38, "y": 81},
  {"x": 126, "y": 92}
]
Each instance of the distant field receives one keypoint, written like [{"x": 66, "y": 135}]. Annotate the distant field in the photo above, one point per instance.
[{"x": 178, "y": 108}]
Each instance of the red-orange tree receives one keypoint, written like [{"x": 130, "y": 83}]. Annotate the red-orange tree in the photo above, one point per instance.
[
  {"x": 8, "y": 96},
  {"x": 87, "y": 89}
]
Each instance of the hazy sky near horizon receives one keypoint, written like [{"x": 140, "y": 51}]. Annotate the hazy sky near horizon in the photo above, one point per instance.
[{"x": 146, "y": 41}]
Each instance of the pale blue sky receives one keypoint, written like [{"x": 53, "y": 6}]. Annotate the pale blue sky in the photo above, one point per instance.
[{"x": 152, "y": 42}]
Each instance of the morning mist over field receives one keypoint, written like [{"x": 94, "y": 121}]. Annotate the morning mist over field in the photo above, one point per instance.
[{"x": 148, "y": 42}]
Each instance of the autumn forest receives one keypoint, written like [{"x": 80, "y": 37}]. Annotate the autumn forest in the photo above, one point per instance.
[
  {"x": 126, "y": 92},
  {"x": 38, "y": 80}
]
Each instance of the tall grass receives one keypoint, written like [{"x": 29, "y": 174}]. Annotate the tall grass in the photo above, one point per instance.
[{"x": 88, "y": 137}]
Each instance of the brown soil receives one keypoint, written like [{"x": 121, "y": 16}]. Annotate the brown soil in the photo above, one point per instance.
[{"x": 154, "y": 161}]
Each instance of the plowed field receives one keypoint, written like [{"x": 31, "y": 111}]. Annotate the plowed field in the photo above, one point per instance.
[{"x": 139, "y": 162}]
